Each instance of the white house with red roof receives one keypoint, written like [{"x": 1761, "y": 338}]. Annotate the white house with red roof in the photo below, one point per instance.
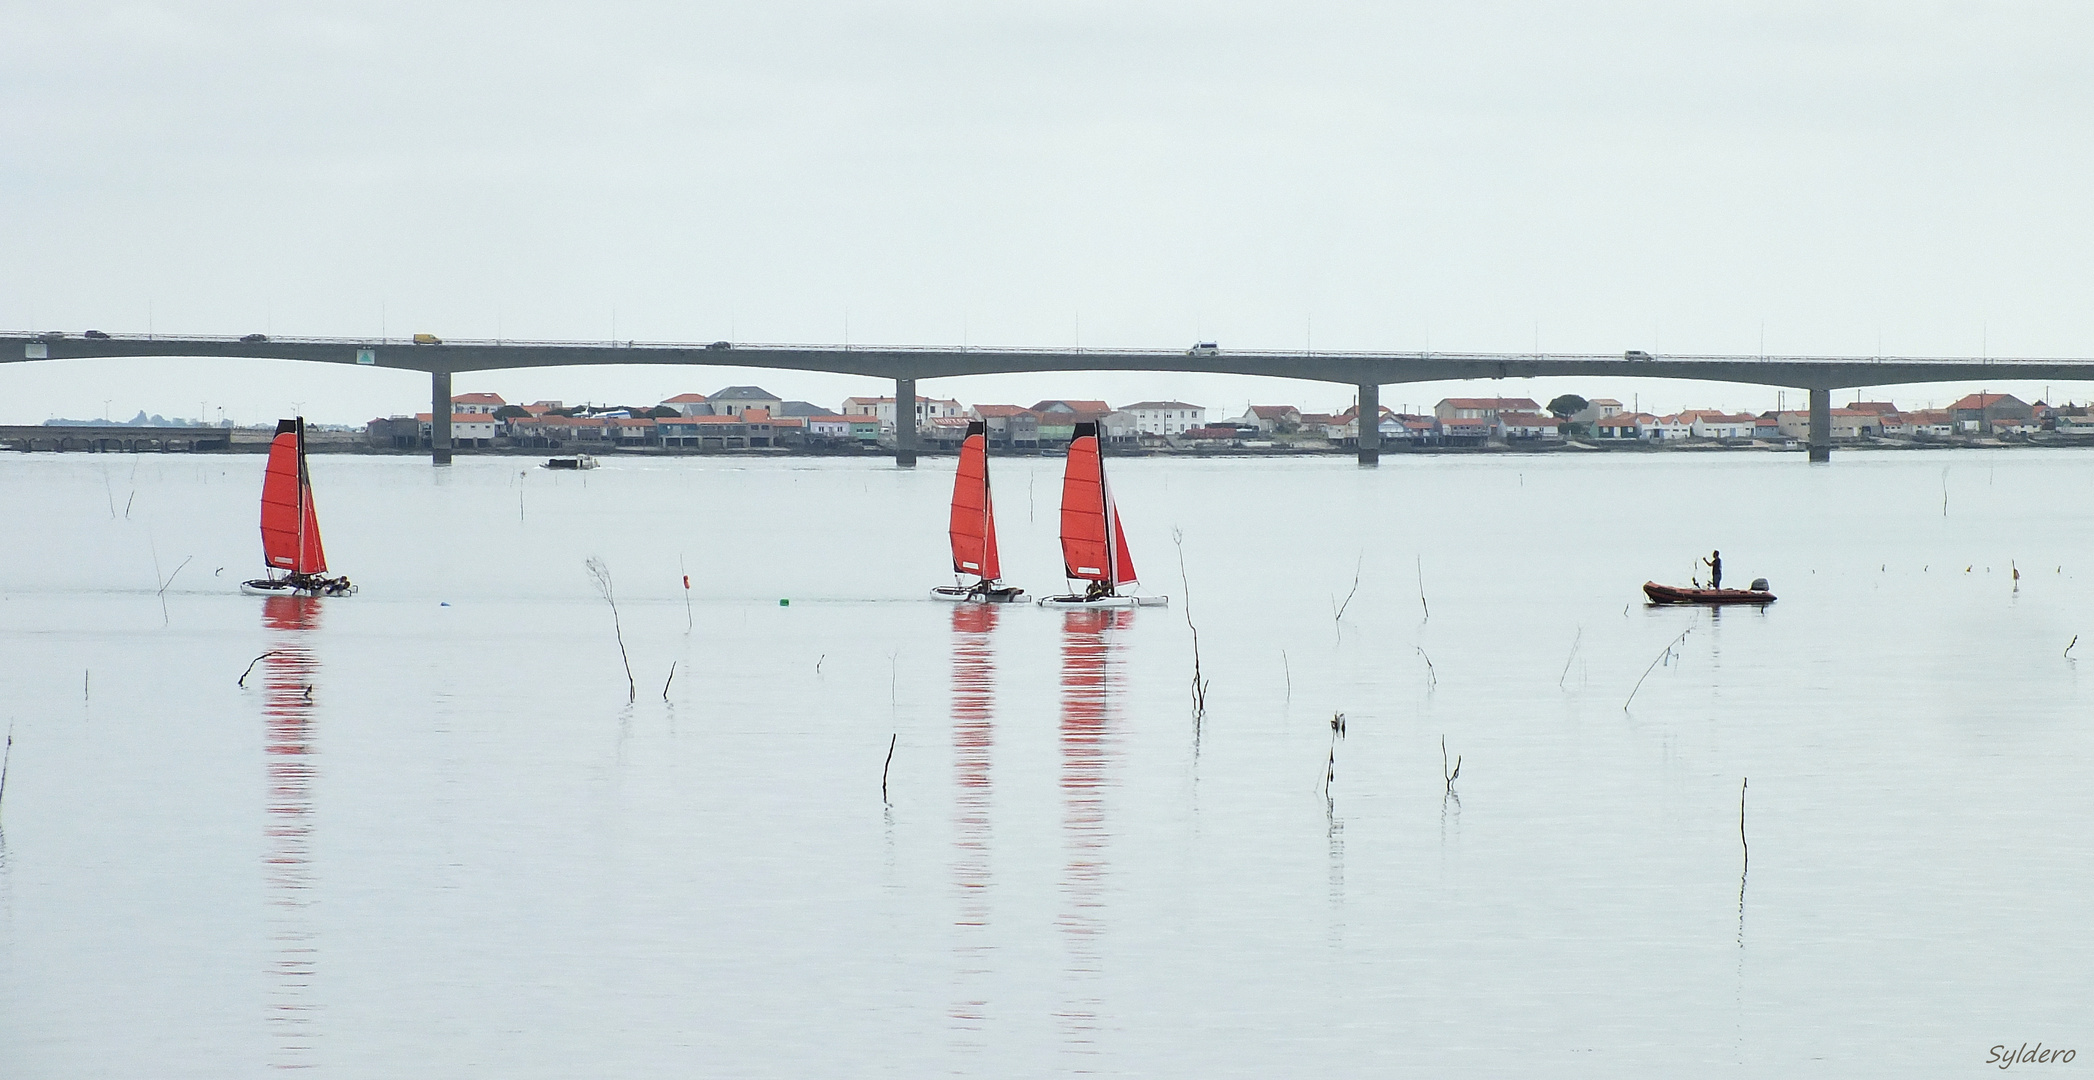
[
  {"x": 476, "y": 403},
  {"x": 882, "y": 409},
  {"x": 1528, "y": 425},
  {"x": 1709, "y": 424}
]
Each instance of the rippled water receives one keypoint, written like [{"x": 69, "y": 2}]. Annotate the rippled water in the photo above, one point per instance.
[{"x": 430, "y": 837}]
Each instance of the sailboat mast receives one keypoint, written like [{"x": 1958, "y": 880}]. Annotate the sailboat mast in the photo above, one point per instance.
[
  {"x": 1105, "y": 514},
  {"x": 988, "y": 536},
  {"x": 299, "y": 558}
]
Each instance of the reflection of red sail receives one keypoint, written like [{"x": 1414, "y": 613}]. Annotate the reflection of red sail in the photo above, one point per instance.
[
  {"x": 1091, "y": 549},
  {"x": 288, "y": 672},
  {"x": 290, "y": 528},
  {"x": 973, "y": 528},
  {"x": 1089, "y": 681},
  {"x": 974, "y": 737}
]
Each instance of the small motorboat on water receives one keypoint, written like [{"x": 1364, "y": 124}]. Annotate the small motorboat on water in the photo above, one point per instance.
[
  {"x": 578, "y": 461},
  {"x": 973, "y": 529},
  {"x": 297, "y": 563},
  {"x": 1094, "y": 546},
  {"x": 1673, "y": 594}
]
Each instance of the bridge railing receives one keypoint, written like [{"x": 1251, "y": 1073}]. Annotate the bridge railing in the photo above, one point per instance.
[{"x": 729, "y": 349}]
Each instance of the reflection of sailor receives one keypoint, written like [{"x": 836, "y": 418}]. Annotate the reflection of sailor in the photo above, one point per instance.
[{"x": 1715, "y": 564}]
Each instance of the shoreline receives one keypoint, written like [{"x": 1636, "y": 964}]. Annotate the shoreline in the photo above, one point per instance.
[{"x": 355, "y": 444}]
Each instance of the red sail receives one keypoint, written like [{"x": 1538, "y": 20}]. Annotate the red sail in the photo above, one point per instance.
[
  {"x": 1085, "y": 552},
  {"x": 290, "y": 531},
  {"x": 973, "y": 528},
  {"x": 1122, "y": 562}
]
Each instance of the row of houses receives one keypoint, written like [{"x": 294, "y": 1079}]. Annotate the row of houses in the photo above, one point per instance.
[{"x": 739, "y": 417}]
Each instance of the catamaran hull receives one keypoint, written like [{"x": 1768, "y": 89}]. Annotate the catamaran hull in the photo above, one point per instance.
[
  {"x": 260, "y": 587},
  {"x": 960, "y": 595},
  {"x": 1086, "y": 603}
]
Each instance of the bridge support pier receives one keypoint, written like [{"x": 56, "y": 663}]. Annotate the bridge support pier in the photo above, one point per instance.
[
  {"x": 1368, "y": 422},
  {"x": 905, "y": 423},
  {"x": 1821, "y": 425},
  {"x": 439, "y": 418}
]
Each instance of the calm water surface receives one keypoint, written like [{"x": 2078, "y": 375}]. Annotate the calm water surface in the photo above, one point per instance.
[{"x": 430, "y": 836}]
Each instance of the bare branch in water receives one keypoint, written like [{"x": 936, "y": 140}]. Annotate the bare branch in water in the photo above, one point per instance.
[
  {"x": 1450, "y": 777},
  {"x": 891, "y": 739},
  {"x": 1199, "y": 682},
  {"x": 1421, "y": 589},
  {"x": 600, "y": 574},
  {"x": 1573, "y": 656},
  {"x": 250, "y": 666},
  {"x": 1667, "y": 651},
  {"x": 1337, "y": 609},
  {"x": 667, "y": 681}
]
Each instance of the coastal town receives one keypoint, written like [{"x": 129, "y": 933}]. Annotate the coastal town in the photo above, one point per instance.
[{"x": 738, "y": 418}]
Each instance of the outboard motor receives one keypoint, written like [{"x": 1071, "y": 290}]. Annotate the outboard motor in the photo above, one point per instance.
[{"x": 1759, "y": 584}]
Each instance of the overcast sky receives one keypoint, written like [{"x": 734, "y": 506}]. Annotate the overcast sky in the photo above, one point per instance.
[{"x": 1842, "y": 178}]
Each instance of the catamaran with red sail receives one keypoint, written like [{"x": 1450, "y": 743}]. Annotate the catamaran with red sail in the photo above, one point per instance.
[
  {"x": 297, "y": 564},
  {"x": 973, "y": 530},
  {"x": 1094, "y": 546}
]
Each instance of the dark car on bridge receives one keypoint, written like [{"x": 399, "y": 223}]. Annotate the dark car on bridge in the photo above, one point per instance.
[{"x": 254, "y": 339}]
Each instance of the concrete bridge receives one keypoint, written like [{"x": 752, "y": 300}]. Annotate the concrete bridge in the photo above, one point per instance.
[
  {"x": 1367, "y": 372},
  {"x": 116, "y": 438}
]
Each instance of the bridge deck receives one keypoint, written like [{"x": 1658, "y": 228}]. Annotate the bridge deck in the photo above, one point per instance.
[{"x": 929, "y": 362}]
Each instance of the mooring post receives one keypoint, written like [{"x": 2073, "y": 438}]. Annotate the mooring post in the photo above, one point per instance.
[
  {"x": 1369, "y": 423},
  {"x": 1821, "y": 425},
  {"x": 439, "y": 418},
  {"x": 905, "y": 422}
]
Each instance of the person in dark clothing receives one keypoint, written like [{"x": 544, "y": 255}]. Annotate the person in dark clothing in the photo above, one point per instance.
[{"x": 1715, "y": 564}]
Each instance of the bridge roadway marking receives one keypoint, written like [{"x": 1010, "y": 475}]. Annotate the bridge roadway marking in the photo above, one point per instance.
[{"x": 1817, "y": 374}]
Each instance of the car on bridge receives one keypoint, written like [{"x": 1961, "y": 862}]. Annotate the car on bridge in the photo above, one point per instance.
[
  {"x": 1635, "y": 354},
  {"x": 254, "y": 339},
  {"x": 1204, "y": 348}
]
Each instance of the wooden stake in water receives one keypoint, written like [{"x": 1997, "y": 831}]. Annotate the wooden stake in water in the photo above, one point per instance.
[
  {"x": 686, "y": 593},
  {"x": 7, "y": 759},
  {"x": 1742, "y": 842},
  {"x": 891, "y": 739}
]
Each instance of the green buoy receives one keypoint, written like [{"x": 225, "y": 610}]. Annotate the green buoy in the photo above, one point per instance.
[{"x": 782, "y": 602}]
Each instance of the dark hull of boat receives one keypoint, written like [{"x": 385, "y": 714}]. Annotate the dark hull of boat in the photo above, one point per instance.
[
  {"x": 1668, "y": 594},
  {"x": 1002, "y": 594}
]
